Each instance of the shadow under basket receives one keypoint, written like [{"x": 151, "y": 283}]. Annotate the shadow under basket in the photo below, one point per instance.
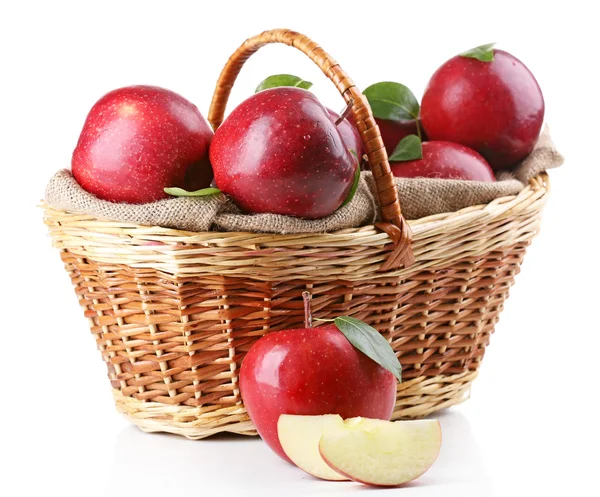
[{"x": 173, "y": 312}]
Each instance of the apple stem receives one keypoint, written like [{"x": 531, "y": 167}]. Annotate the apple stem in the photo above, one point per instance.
[
  {"x": 345, "y": 112},
  {"x": 307, "y": 314}
]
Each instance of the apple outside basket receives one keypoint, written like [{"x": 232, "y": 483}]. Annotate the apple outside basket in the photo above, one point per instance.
[{"x": 174, "y": 312}]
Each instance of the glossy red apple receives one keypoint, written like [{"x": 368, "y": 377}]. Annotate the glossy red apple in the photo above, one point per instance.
[
  {"x": 350, "y": 135},
  {"x": 392, "y": 132},
  {"x": 445, "y": 160},
  {"x": 138, "y": 140},
  {"x": 311, "y": 371},
  {"x": 279, "y": 151},
  {"x": 495, "y": 107}
]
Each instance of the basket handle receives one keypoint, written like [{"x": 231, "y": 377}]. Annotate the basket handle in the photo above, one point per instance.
[{"x": 394, "y": 224}]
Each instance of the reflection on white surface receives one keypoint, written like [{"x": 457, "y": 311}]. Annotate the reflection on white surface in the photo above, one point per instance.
[{"x": 231, "y": 464}]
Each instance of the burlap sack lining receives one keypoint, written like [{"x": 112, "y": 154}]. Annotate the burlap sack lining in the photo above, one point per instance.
[{"x": 419, "y": 197}]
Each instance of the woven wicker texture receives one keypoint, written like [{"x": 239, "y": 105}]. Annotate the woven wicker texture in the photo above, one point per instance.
[
  {"x": 416, "y": 398},
  {"x": 174, "y": 312}
]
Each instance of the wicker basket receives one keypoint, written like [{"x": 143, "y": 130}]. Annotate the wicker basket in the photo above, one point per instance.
[{"x": 174, "y": 312}]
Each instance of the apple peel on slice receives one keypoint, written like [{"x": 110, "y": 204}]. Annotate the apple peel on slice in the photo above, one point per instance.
[
  {"x": 381, "y": 453},
  {"x": 299, "y": 437}
]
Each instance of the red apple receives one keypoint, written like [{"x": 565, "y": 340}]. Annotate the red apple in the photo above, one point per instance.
[
  {"x": 138, "y": 140},
  {"x": 445, "y": 160},
  {"x": 279, "y": 151},
  {"x": 311, "y": 371},
  {"x": 494, "y": 107},
  {"x": 392, "y": 132},
  {"x": 350, "y": 135}
]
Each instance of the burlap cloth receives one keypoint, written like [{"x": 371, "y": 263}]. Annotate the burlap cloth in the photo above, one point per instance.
[{"x": 419, "y": 197}]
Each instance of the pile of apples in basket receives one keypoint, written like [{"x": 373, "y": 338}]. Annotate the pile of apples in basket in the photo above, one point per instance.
[{"x": 320, "y": 397}]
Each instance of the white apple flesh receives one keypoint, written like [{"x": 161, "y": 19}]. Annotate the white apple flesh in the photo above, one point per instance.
[
  {"x": 300, "y": 435},
  {"x": 381, "y": 453}
]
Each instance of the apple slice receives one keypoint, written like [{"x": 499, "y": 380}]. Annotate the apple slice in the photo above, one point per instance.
[
  {"x": 299, "y": 436},
  {"x": 381, "y": 453}
]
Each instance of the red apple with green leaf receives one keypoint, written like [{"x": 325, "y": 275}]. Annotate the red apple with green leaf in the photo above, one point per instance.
[
  {"x": 438, "y": 159},
  {"x": 350, "y": 135},
  {"x": 280, "y": 152},
  {"x": 344, "y": 368},
  {"x": 138, "y": 140},
  {"x": 487, "y": 100},
  {"x": 393, "y": 131},
  {"x": 396, "y": 112}
]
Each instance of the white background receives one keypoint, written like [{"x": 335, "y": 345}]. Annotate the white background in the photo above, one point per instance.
[{"x": 530, "y": 426}]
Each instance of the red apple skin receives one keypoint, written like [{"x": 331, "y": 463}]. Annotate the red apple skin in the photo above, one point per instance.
[
  {"x": 392, "y": 132},
  {"x": 199, "y": 175},
  {"x": 445, "y": 160},
  {"x": 279, "y": 151},
  {"x": 311, "y": 371},
  {"x": 138, "y": 140},
  {"x": 350, "y": 135},
  {"x": 496, "y": 108}
]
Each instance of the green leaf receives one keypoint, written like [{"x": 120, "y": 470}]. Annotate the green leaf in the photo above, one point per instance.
[
  {"x": 370, "y": 342},
  {"x": 409, "y": 148},
  {"x": 180, "y": 192},
  {"x": 355, "y": 182},
  {"x": 393, "y": 101},
  {"x": 484, "y": 53},
  {"x": 278, "y": 80}
]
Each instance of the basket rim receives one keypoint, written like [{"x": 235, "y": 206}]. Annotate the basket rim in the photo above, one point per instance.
[{"x": 530, "y": 198}]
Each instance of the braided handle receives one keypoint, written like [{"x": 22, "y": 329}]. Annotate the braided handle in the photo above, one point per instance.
[{"x": 394, "y": 224}]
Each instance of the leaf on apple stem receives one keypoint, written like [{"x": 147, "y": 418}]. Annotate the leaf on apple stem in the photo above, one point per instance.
[
  {"x": 409, "y": 148},
  {"x": 394, "y": 101},
  {"x": 180, "y": 192},
  {"x": 370, "y": 342},
  {"x": 356, "y": 181},
  {"x": 484, "y": 53},
  {"x": 278, "y": 80}
]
